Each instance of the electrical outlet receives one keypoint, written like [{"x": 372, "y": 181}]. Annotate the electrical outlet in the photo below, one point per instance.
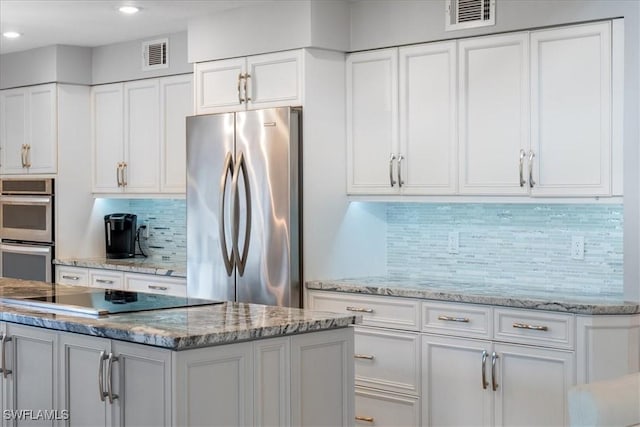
[
  {"x": 454, "y": 242},
  {"x": 145, "y": 231},
  {"x": 577, "y": 247}
]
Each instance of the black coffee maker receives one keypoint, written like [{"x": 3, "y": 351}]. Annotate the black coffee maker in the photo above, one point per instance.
[{"x": 120, "y": 235}]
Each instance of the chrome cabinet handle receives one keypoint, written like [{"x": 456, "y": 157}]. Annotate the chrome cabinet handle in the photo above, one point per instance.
[
  {"x": 523, "y": 154},
  {"x": 124, "y": 174},
  {"x": 158, "y": 288},
  {"x": 101, "y": 359},
  {"x": 28, "y": 156},
  {"x": 110, "y": 360},
  {"x": 364, "y": 418},
  {"x": 240, "y": 100},
  {"x": 3, "y": 341},
  {"x": 532, "y": 327},
  {"x": 454, "y": 319},
  {"x": 71, "y": 277},
  {"x": 494, "y": 382},
  {"x": 241, "y": 260},
  {"x": 108, "y": 282},
  {"x": 363, "y": 356},
  {"x": 227, "y": 169},
  {"x": 247, "y": 98},
  {"x": 118, "y": 174},
  {"x": 360, "y": 309},
  {"x": 531, "y": 181},
  {"x": 23, "y": 155},
  {"x": 484, "y": 369},
  {"x": 391, "y": 159},
  {"x": 400, "y": 181}
]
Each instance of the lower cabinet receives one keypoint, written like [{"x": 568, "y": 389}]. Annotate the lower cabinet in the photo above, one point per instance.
[
  {"x": 63, "y": 378},
  {"x": 380, "y": 408}
]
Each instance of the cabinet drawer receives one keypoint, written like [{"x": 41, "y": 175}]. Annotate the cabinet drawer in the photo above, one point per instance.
[
  {"x": 72, "y": 275},
  {"x": 534, "y": 327},
  {"x": 464, "y": 320},
  {"x": 375, "y": 408},
  {"x": 156, "y": 284},
  {"x": 387, "y": 312},
  {"x": 106, "y": 279},
  {"x": 387, "y": 360}
]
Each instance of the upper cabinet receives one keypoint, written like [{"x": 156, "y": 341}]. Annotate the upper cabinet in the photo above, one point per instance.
[
  {"x": 28, "y": 130},
  {"x": 139, "y": 135},
  {"x": 401, "y": 109},
  {"x": 259, "y": 81},
  {"x": 525, "y": 114}
]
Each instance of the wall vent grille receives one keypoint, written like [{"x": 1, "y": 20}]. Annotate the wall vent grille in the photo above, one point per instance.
[
  {"x": 155, "y": 54},
  {"x": 461, "y": 14}
]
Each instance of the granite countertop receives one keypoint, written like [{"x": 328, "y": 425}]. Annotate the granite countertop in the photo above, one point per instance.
[
  {"x": 508, "y": 296},
  {"x": 134, "y": 265},
  {"x": 175, "y": 329}
]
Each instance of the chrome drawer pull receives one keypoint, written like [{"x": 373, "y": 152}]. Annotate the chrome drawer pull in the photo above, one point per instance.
[
  {"x": 108, "y": 282},
  {"x": 532, "y": 327},
  {"x": 4, "y": 341},
  {"x": 360, "y": 309},
  {"x": 71, "y": 277},
  {"x": 102, "y": 358},
  {"x": 454, "y": 319},
  {"x": 484, "y": 369},
  {"x": 158, "y": 288},
  {"x": 365, "y": 419},
  {"x": 363, "y": 356},
  {"x": 494, "y": 382}
]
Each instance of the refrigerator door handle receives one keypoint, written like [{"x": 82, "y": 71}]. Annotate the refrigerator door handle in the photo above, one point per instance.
[
  {"x": 241, "y": 166},
  {"x": 226, "y": 257}
]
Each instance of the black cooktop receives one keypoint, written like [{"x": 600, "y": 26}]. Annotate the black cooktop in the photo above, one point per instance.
[{"x": 101, "y": 302}]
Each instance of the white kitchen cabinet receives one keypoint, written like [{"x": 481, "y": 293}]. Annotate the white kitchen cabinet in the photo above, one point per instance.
[
  {"x": 151, "y": 283},
  {"x": 28, "y": 130},
  {"x": 112, "y": 383},
  {"x": 571, "y": 110},
  {"x": 31, "y": 383},
  {"x": 77, "y": 276},
  {"x": 386, "y": 409},
  {"x": 139, "y": 136},
  {"x": 109, "y": 279},
  {"x": 494, "y": 114},
  {"x": 258, "y": 81},
  {"x": 272, "y": 382},
  {"x": 176, "y": 103}
]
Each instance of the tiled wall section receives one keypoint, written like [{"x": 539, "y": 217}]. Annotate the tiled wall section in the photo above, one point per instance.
[
  {"x": 167, "y": 222},
  {"x": 525, "y": 245}
]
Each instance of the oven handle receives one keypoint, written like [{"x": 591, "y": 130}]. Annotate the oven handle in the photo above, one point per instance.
[
  {"x": 25, "y": 249},
  {"x": 27, "y": 200}
]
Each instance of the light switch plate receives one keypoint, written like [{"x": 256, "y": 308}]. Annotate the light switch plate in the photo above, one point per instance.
[
  {"x": 577, "y": 247},
  {"x": 454, "y": 242}
]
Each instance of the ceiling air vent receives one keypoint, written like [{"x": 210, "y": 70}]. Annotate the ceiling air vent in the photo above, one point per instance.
[
  {"x": 155, "y": 54},
  {"x": 461, "y": 14}
]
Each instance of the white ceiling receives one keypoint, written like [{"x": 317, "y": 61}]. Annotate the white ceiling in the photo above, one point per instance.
[{"x": 98, "y": 22}]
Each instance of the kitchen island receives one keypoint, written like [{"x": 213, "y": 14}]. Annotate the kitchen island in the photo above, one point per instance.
[{"x": 230, "y": 364}]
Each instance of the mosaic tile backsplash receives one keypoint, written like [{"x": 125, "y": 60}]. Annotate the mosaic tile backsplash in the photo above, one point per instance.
[
  {"x": 167, "y": 222},
  {"x": 514, "y": 244}
]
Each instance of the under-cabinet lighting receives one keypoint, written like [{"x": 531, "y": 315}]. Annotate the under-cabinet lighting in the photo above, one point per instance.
[
  {"x": 11, "y": 34},
  {"x": 129, "y": 10}
]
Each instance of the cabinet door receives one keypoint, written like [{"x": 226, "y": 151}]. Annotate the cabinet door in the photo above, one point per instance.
[
  {"x": 107, "y": 279},
  {"x": 428, "y": 136},
  {"x": 176, "y": 101},
  {"x": 142, "y": 380},
  {"x": 219, "y": 88},
  {"x": 571, "y": 110},
  {"x": 372, "y": 122},
  {"x": 32, "y": 384},
  {"x": 494, "y": 113},
  {"x": 108, "y": 136},
  {"x": 42, "y": 154},
  {"x": 275, "y": 80},
  {"x": 214, "y": 386},
  {"x": 386, "y": 409},
  {"x": 142, "y": 136},
  {"x": 271, "y": 384},
  {"x": 454, "y": 390},
  {"x": 79, "y": 389},
  {"x": 13, "y": 129},
  {"x": 532, "y": 385},
  {"x": 77, "y": 276}
]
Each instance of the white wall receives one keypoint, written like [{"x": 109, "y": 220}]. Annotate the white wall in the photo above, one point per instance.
[
  {"x": 270, "y": 27},
  {"x": 123, "y": 61},
  {"x": 65, "y": 64},
  {"x": 381, "y": 23}
]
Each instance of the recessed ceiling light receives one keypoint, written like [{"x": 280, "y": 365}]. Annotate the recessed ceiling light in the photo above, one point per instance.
[
  {"x": 11, "y": 34},
  {"x": 129, "y": 10}
]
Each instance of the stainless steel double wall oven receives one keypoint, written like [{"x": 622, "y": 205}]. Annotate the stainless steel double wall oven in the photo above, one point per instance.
[{"x": 26, "y": 228}]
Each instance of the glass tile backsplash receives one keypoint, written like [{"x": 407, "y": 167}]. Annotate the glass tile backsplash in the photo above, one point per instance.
[
  {"x": 526, "y": 245},
  {"x": 167, "y": 222}
]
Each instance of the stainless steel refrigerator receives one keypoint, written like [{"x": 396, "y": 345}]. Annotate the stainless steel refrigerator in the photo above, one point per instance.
[{"x": 243, "y": 206}]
